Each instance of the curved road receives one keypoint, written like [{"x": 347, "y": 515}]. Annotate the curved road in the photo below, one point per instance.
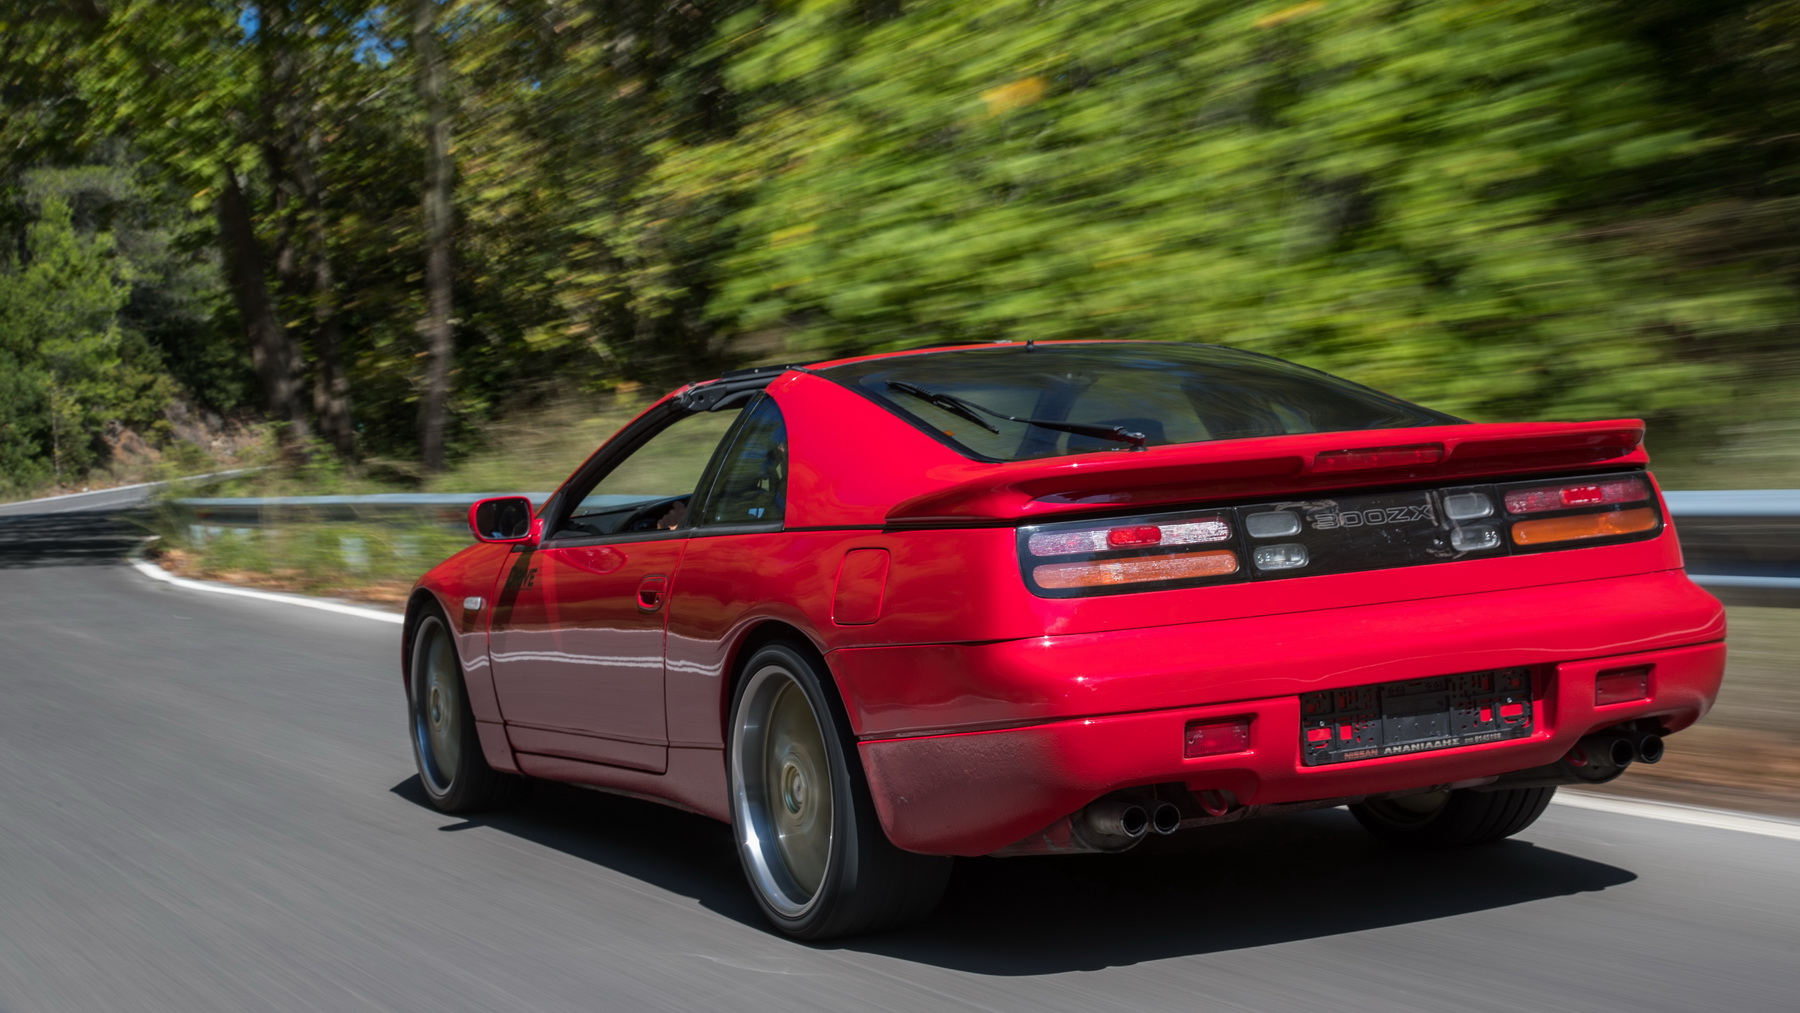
[{"x": 207, "y": 804}]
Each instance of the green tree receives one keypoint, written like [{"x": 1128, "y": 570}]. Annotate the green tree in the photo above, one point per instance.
[
  {"x": 75, "y": 370},
  {"x": 1398, "y": 191}
]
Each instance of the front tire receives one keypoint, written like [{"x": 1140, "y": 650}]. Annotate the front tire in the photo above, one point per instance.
[
  {"x": 812, "y": 846},
  {"x": 454, "y": 773},
  {"x": 1452, "y": 819}
]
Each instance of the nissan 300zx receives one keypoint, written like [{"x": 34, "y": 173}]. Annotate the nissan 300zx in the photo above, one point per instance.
[{"x": 1052, "y": 598}]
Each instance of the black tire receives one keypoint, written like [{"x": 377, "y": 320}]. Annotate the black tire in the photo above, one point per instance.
[
  {"x": 1452, "y": 819},
  {"x": 454, "y": 774},
  {"x": 815, "y": 855}
]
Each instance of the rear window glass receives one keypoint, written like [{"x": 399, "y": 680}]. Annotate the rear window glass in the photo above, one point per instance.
[{"x": 1171, "y": 393}]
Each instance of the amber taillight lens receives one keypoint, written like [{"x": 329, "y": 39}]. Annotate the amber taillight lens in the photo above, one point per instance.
[
  {"x": 1569, "y": 529},
  {"x": 1111, "y": 572}
]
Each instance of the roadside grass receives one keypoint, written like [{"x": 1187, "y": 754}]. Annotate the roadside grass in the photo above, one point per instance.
[
  {"x": 532, "y": 452},
  {"x": 368, "y": 562}
]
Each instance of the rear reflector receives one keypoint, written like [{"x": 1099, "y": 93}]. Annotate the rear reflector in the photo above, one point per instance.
[
  {"x": 1213, "y": 738},
  {"x": 1622, "y": 685},
  {"x": 1576, "y": 494},
  {"x": 1105, "y": 573},
  {"x": 1378, "y": 457},
  {"x": 1581, "y": 526}
]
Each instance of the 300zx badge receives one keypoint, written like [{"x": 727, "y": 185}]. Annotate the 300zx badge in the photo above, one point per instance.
[{"x": 1373, "y": 516}]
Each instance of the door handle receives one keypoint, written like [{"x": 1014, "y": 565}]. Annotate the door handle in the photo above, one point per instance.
[{"x": 651, "y": 592}]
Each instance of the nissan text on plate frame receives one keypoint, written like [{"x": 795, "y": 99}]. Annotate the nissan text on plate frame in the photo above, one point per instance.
[{"x": 1028, "y": 599}]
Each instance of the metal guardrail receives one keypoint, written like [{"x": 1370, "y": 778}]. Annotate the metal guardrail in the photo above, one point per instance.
[
  {"x": 446, "y": 509},
  {"x": 1742, "y": 545}
]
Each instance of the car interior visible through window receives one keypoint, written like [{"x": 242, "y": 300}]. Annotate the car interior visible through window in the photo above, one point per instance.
[{"x": 650, "y": 489}]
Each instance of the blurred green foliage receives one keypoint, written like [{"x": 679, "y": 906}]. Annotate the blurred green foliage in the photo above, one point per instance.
[
  {"x": 1505, "y": 210},
  {"x": 313, "y": 558}
]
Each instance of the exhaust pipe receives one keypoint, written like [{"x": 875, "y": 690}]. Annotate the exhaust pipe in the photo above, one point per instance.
[
  {"x": 1112, "y": 824},
  {"x": 1602, "y": 753},
  {"x": 1165, "y": 819},
  {"x": 1649, "y": 748},
  {"x": 1595, "y": 759},
  {"x": 1213, "y": 803}
]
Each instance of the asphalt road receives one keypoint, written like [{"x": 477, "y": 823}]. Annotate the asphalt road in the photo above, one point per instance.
[{"x": 207, "y": 803}]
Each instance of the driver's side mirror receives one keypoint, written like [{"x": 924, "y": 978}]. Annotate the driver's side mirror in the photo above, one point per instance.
[{"x": 505, "y": 519}]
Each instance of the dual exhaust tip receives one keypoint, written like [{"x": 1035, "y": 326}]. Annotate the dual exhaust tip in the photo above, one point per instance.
[
  {"x": 1119, "y": 822},
  {"x": 1619, "y": 750}
]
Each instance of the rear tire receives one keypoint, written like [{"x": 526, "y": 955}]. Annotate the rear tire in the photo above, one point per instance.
[
  {"x": 1452, "y": 819},
  {"x": 455, "y": 775},
  {"x": 812, "y": 847}
]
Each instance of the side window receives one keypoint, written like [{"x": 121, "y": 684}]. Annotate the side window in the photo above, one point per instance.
[
  {"x": 752, "y": 484},
  {"x": 650, "y": 489}
]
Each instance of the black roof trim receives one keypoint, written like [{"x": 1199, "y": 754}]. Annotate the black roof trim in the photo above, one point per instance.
[{"x": 732, "y": 389}]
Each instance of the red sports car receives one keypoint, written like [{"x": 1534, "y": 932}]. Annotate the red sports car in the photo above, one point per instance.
[{"x": 1050, "y": 598}]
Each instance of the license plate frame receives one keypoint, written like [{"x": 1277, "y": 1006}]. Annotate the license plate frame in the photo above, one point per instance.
[{"x": 1413, "y": 716}]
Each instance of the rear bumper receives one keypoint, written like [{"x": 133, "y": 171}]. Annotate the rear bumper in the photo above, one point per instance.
[{"x": 971, "y": 792}]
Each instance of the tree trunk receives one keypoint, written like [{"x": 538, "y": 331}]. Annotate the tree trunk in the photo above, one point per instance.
[
  {"x": 436, "y": 326},
  {"x": 306, "y": 286},
  {"x": 272, "y": 352},
  {"x": 331, "y": 382}
]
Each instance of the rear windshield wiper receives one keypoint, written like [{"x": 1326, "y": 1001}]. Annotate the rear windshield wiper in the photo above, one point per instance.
[{"x": 973, "y": 412}]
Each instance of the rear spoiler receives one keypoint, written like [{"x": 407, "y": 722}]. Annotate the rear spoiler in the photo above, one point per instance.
[{"x": 1298, "y": 465}]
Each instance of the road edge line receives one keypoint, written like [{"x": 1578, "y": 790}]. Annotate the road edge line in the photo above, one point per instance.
[
  {"x": 1670, "y": 812},
  {"x": 151, "y": 570}
]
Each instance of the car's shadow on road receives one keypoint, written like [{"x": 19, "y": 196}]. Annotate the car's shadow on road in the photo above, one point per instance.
[{"x": 1226, "y": 888}]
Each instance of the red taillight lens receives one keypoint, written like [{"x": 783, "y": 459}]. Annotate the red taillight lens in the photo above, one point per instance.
[
  {"x": 1068, "y": 541},
  {"x": 1143, "y": 534},
  {"x": 1622, "y": 685},
  {"x": 1577, "y": 494},
  {"x": 1213, "y": 738},
  {"x": 1378, "y": 457}
]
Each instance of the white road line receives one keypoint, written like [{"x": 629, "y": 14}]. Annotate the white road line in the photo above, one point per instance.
[
  {"x": 150, "y": 569},
  {"x": 1668, "y": 812}
]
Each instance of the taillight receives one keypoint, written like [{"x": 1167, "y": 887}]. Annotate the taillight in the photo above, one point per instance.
[
  {"x": 1388, "y": 526},
  {"x": 1581, "y": 509},
  {"x": 1569, "y": 529},
  {"x": 1093, "y": 557},
  {"x": 1113, "y": 572},
  {"x": 1063, "y": 540},
  {"x": 1539, "y": 499}
]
